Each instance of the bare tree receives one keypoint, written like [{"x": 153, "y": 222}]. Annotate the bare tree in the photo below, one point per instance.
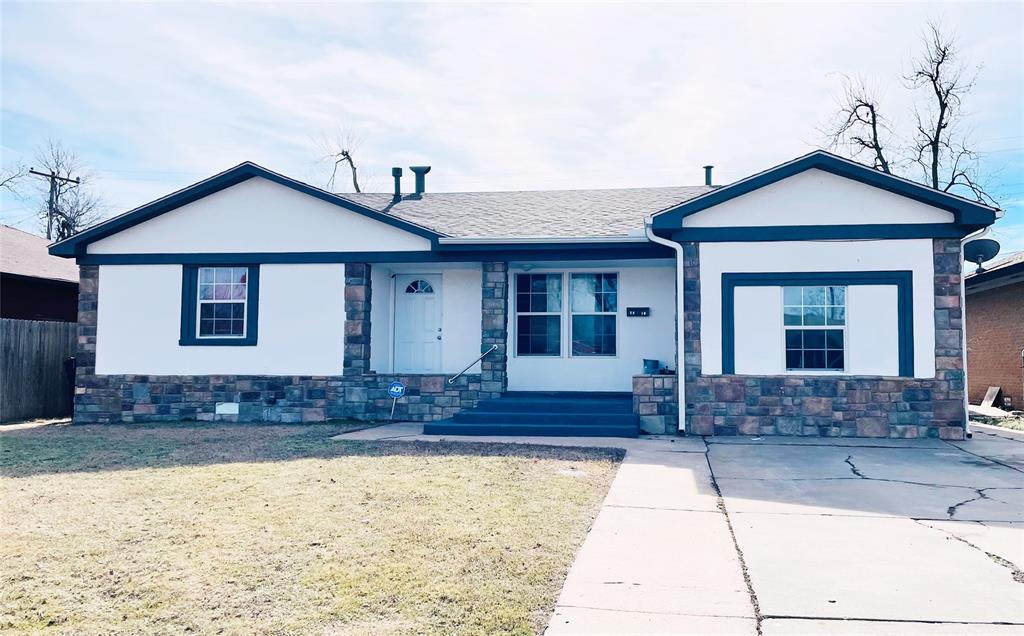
[
  {"x": 860, "y": 126},
  {"x": 338, "y": 150},
  {"x": 939, "y": 143},
  {"x": 11, "y": 176},
  {"x": 940, "y": 146},
  {"x": 75, "y": 206}
]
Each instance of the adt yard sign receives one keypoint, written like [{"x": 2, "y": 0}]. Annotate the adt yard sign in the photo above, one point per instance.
[{"x": 395, "y": 390}]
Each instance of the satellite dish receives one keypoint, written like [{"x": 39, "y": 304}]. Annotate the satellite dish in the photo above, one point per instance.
[{"x": 980, "y": 250}]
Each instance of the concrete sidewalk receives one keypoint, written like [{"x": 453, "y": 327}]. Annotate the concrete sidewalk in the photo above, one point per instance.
[{"x": 806, "y": 536}]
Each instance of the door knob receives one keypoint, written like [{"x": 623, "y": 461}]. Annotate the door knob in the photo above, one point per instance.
[{"x": 439, "y": 337}]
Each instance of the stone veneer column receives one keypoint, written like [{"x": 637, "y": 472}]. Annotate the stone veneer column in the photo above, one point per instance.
[
  {"x": 358, "y": 291},
  {"x": 494, "y": 328},
  {"x": 85, "y": 356},
  {"x": 948, "y": 408},
  {"x": 691, "y": 364}
]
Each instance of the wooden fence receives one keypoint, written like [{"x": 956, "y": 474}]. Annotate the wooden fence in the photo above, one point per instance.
[{"x": 33, "y": 382}]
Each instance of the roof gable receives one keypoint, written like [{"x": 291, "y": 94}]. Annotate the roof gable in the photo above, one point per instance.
[
  {"x": 967, "y": 213},
  {"x": 76, "y": 245}
]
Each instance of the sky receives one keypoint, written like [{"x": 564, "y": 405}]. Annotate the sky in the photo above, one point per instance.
[{"x": 494, "y": 96}]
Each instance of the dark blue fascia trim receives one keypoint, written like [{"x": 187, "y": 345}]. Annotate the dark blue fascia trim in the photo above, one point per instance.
[
  {"x": 643, "y": 251},
  {"x": 189, "y": 297},
  {"x": 821, "y": 232},
  {"x": 988, "y": 276},
  {"x": 966, "y": 212},
  {"x": 903, "y": 279},
  {"x": 75, "y": 246}
]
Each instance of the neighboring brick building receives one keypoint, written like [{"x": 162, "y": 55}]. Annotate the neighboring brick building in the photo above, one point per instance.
[{"x": 995, "y": 330}]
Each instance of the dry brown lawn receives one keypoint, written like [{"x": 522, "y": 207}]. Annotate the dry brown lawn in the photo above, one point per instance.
[{"x": 279, "y": 530}]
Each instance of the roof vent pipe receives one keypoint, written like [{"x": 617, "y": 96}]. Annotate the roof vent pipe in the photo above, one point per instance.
[
  {"x": 707, "y": 175},
  {"x": 397, "y": 174},
  {"x": 421, "y": 178}
]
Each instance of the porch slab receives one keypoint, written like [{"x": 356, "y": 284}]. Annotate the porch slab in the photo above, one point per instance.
[{"x": 414, "y": 431}]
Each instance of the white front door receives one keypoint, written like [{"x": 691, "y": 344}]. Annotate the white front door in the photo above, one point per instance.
[{"x": 418, "y": 334}]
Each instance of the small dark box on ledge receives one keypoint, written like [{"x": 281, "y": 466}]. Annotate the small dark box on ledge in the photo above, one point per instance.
[{"x": 641, "y": 312}]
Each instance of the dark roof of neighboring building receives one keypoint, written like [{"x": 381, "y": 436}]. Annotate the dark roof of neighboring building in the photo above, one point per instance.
[
  {"x": 529, "y": 214},
  {"x": 1005, "y": 271},
  {"x": 26, "y": 254}
]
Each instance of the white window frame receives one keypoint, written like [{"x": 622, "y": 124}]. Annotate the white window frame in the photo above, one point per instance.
[
  {"x": 200, "y": 302},
  {"x": 843, "y": 327},
  {"x": 560, "y": 313},
  {"x": 565, "y": 315},
  {"x": 571, "y": 313}
]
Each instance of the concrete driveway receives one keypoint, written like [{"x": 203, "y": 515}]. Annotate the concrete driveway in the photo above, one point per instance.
[{"x": 801, "y": 536}]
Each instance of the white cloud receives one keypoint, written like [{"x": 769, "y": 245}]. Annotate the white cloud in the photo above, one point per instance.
[{"x": 494, "y": 96}]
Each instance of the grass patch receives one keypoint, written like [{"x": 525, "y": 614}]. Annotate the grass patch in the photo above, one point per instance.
[
  {"x": 1013, "y": 422},
  {"x": 276, "y": 529}
]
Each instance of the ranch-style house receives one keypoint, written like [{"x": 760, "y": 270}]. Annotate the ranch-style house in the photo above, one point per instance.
[{"x": 819, "y": 297}]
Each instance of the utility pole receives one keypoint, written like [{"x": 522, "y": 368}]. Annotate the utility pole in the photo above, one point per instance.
[{"x": 51, "y": 206}]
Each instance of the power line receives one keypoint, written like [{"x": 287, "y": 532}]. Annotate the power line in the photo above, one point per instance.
[{"x": 51, "y": 205}]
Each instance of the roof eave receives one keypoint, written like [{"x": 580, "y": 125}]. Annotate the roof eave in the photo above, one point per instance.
[
  {"x": 967, "y": 212},
  {"x": 77, "y": 244}
]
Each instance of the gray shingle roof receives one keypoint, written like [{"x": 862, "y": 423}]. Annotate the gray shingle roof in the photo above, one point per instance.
[
  {"x": 529, "y": 214},
  {"x": 26, "y": 254}
]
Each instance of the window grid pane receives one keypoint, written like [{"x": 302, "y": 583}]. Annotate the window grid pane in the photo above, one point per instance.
[
  {"x": 222, "y": 301},
  {"x": 538, "y": 314},
  {"x": 593, "y": 304},
  {"x": 814, "y": 320}
]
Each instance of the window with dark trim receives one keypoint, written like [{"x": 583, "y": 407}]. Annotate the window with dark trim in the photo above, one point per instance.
[
  {"x": 538, "y": 314},
  {"x": 814, "y": 319},
  {"x": 219, "y": 305}
]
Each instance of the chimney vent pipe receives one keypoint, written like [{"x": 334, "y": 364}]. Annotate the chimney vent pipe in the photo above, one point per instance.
[
  {"x": 707, "y": 175},
  {"x": 397, "y": 174},
  {"x": 421, "y": 178}
]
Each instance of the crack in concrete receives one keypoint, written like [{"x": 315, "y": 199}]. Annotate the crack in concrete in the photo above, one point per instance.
[
  {"x": 884, "y": 479},
  {"x": 1015, "y": 572},
  {"x": 720, "y": 503},
  {"x": 853, "y": 468},
  {"x": 951, "y": 511}
]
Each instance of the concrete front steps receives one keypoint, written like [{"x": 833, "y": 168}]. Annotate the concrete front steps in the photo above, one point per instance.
[{"x": 552, "y": 414}]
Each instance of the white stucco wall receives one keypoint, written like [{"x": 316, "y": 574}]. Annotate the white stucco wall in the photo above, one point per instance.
[
  {"x": 872, "y": 309},
  {"x": 259, "y": 216},
  {"x": 638, "y": 338},
  {"x": 460, "y": 313},
  {"x": 301, "y": 324},
  {"x": 816, "y": 197},
  {"x": 872, "y": 334}
]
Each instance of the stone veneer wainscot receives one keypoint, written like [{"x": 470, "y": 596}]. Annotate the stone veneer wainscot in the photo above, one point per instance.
[
  {"x": 834, "y": 406},
  {"x": 358, "y": 393}
]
